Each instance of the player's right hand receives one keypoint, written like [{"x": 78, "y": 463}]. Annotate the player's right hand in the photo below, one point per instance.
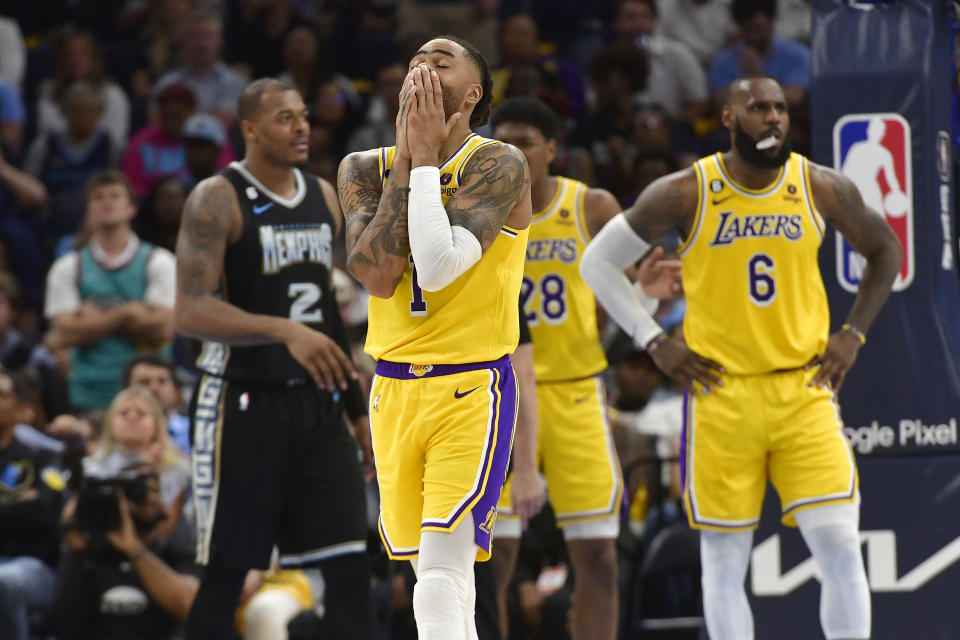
[
  {"x": 406, "y": 99},
  {"x": 686, "y": 367},
  {"x": 323, "y": 358},
  {"x": 527, "y": 494}
]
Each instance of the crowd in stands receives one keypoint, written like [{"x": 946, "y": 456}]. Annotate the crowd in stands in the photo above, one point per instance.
[{"x": 111, "y": 111}]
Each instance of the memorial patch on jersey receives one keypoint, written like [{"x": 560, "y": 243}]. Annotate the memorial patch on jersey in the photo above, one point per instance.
[
  {"x": 873, "y": 150},
  {"x": 733, "y": 227},
  {"x": 290, "y": 244}
]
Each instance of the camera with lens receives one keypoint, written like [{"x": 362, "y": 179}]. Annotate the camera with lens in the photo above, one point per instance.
[{"x": 98, "y": 508}]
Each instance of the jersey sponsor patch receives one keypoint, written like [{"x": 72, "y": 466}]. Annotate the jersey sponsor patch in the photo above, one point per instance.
[{"x": 873, "y": 150}]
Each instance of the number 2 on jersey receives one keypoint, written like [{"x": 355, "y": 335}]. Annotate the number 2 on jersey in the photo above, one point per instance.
[
  {"x": 553, "y": 299},
  {"x": 305, "y": 295},
  {"x": 763, "y": 288}
]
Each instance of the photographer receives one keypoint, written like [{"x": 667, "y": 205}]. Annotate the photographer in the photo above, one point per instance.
[
  {"x": 121, "y": 583},
  {"x": 134, "y": 431},
  {"x": 30, "y": 498}
]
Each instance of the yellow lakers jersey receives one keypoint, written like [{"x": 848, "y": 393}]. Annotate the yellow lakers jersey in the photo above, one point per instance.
[
  {"x": 560, "y": 308},
  {"x": 473, "y": 319},
  {"x": 755, "y": 297}
]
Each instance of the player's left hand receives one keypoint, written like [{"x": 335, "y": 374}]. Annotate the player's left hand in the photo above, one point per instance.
[
  {"x": 527, "y": 494},
  {"x": 659, "y": 278},
  {"x": 835, "y": 361},
  {"x": 427, "y": 125}
]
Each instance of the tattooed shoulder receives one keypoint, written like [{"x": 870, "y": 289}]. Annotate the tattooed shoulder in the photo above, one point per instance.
[
  {"x": 494, "y": 181},
  {"x": 208, "y": 213},
  {"x": 358, "y": 180}
]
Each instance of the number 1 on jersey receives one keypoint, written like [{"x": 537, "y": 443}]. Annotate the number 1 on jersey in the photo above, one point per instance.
[{"x": 418, "y": 306}]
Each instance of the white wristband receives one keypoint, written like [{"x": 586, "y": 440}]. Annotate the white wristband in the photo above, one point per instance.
[{"x": 615, "y": 248}]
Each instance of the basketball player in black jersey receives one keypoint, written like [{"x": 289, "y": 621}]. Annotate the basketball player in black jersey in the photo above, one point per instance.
[{"x": 273, "y": 461}]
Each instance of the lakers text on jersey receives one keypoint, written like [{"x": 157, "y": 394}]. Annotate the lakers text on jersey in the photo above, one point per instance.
[
  {"x": 756, "y": 304},
  {"x": 755, "y": 297}
]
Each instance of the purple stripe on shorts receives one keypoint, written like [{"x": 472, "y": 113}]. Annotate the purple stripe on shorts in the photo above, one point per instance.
[
  {"x": 406, "y": 371},
  {"x": 504, "y": 390},
  {"x": 683, "y": 443}
]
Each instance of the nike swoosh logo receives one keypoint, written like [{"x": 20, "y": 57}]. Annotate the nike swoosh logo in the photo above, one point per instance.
[
  {"x": 457, "y": 394},
  {"x": 258, "y": 210},
  {"x": 715, "y": 201},
  {"x": 579, "y": 400}
]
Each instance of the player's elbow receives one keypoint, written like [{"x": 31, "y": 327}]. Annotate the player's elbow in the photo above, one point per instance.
[{"x": 374, "y": 281}]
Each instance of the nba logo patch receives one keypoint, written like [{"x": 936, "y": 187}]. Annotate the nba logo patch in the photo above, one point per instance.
[{"x": 873, "y": 150}]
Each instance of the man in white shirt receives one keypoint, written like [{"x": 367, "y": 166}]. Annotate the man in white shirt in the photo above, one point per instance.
[
  {"x": 677, "y": 82},
  {"x": 705, "y": 26},
  {"x": 111, "y": 297}
]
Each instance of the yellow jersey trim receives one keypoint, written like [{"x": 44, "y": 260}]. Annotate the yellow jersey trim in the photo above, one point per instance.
[
  {"x": 582, "y": 213},
  {"x": 701, "y": 208},
  {"x": 469, "y": 155},
  {"x": 808, "y": 193},
  {"x": 551, "y": 208},
  {"x": 752, "y": 193}
]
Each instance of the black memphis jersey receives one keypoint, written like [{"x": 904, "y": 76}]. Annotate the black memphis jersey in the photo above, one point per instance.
[{"x": 280, "y": 266}]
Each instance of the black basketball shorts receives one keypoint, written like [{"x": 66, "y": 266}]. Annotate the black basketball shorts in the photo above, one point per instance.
[{"x": 273, "y": 465}]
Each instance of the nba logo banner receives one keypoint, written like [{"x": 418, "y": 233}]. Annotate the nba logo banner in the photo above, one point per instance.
[{"x": 873, "y": 150}]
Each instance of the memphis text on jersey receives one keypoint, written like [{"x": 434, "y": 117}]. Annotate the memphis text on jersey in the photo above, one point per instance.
[
  {"x": 733, "y": 227},
  {"x": 289, "y": 244}
]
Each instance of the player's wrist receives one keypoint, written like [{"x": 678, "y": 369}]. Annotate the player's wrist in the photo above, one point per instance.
[
  {"x": 854, "y": 332},
  {"x": 423, "y": 158}
]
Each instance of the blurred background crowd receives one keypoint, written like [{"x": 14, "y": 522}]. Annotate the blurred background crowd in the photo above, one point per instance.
[{"x": 112, "y": 110}]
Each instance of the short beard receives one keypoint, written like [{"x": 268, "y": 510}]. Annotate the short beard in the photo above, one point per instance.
[
  {"x": 452, "y": 101},
  {"x": 746, "y": 146}
]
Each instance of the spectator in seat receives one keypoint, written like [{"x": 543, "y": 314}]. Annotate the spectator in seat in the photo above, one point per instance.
[
  {"x": 704, "y": 26},
  {"x": 64, "y": 160},
  {"x": 216, "y": 85},
  {"x": 31, "y": 487},
  {"x": 21, "y": 196},
  {"x": 158, "y": 149},
  {"x": 159, "y": 219},
  {"x": 12, "y": 117},
  {"x": 760, "y": 52},
  {"x": 204, "y": 138},
  {"x": 155, "y": 373},
  {"x": 676, "y": 83},
  {"x": 617, "y": 72},
  {"x": 21, "y": 351},
  {"x": 380, "y": 129},
  {"x": 111, "y": 297},
  {"x": 79, "y": 58}
]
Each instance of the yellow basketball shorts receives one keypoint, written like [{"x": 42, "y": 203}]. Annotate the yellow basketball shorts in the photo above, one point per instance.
[
  {"x": 441, "y": 439},
  {"x": 575, "y": 451},
  {"x": 757, "y": 427}
]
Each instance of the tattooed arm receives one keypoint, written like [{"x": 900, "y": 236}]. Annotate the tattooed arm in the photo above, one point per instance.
[
  {"x": 494, "y": 191},
  {"x": 376, "y": 226},
  {"x": 840, "y": 204},
  {"x": 211, "y": 221}
]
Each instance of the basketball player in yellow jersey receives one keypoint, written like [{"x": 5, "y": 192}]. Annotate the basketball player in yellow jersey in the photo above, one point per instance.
[
  {"x": 573, "y": 444},
  {"x": 759, "y": 365},
  {"x": 436, "y": 232}
]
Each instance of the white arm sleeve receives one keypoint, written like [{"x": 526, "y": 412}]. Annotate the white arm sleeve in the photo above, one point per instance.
[
  {"x": 615, "y": 248},
  {"x": 441, "y": 252}
]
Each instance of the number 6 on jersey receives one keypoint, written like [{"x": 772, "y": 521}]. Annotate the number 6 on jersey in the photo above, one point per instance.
[{"x": 763, "y": 288}]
